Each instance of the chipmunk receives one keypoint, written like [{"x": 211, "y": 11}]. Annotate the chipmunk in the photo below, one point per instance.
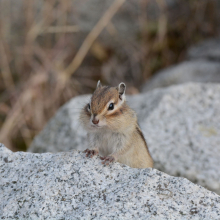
[{"x": 112, "y": 127}]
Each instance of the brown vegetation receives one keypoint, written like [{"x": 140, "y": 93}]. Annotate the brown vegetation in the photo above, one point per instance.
[{"x": 41, "y": 68}]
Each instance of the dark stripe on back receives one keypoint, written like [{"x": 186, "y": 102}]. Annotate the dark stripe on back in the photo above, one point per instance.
[{"x": 142, "y": 137}]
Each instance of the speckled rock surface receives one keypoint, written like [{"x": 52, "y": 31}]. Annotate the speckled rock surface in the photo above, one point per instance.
[
  {"x": 183, "y": 133},
  {"x": 70, "y": 186},
  {"x": 203, "y": 71},
  {"x": 209, "y": 50},
  {"x": 180, "y": 123}
]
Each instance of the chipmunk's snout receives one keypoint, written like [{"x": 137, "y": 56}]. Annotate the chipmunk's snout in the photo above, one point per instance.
[{"x": 95, "y": 121}]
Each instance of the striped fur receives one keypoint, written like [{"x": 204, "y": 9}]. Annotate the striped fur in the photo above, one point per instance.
[{"x": 117, "y": 133}]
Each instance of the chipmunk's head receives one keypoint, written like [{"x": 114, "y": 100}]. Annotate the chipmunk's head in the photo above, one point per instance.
[{"x": 104, "y": 109}]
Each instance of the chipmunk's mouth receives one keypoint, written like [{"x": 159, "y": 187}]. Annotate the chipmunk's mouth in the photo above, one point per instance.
[{"x": 96, "y": 126}]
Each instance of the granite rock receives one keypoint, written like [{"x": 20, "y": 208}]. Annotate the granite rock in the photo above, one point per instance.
[
  {"x": 69, "y": 186},
  {"x": 183, "y": 133},
  {"x": 189, "y": 71},
  {"x": 180, "y": 123}
]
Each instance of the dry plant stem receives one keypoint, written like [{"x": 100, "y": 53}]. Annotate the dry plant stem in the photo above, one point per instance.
[
  {"x": 40, "y": 26},
  {"x": 15, "y": 114},
  {"x": 31, "y": 84},
  {"x": 61, "y": 29},
  {"x": 102, "y": 23},
  {"x": 162, "y": 25},
  {"x": 6, "y": 73}
]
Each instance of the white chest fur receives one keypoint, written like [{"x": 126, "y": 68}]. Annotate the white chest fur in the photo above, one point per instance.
[{"x": 107, "y": 142}]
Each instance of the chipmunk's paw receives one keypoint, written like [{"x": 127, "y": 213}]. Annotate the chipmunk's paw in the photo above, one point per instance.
[
  {"x": 107, "y": 160},
  {"x": 91, "y": 153}
]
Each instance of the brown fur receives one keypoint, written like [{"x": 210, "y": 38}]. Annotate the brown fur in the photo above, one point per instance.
[
  {"x": 101, "y": 97},
  {"x": 120, "y": 136},
  {"x": 142, "y": 136}
]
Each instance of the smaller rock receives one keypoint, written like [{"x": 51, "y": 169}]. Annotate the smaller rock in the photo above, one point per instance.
[{"x": 64, "y": 131}]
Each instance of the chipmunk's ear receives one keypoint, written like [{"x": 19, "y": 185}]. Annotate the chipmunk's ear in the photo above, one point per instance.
[
  {"x": 121, "y": 90},
  {"x": 99, "y": 85}
]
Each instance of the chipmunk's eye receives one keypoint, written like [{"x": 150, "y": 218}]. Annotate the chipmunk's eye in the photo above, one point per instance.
[
  {"x": 111, "y": 106},
  {"x": 88, "y": 106}
]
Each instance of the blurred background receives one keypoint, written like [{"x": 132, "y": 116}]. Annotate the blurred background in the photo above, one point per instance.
[{"x": 53, "y": 50}]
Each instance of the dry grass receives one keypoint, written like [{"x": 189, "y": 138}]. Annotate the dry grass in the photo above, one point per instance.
[{"x": 41, "y": 68}]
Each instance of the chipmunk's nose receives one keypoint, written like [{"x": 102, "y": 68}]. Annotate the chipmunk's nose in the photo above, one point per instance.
[{"x": 94, "y": 121}]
